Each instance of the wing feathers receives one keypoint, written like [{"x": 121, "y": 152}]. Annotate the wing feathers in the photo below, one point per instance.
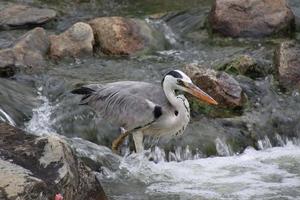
[{"x": 123, "y": 103}]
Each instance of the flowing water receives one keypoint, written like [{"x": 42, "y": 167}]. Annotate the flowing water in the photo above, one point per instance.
[
  {"x": 268, "y": 173},
  {"x": 250, "y": 155}
]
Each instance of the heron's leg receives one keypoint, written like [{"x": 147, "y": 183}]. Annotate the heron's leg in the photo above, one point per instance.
[
  {"x": 138, "y": 141},
  {"x": 119, "y": 140}
]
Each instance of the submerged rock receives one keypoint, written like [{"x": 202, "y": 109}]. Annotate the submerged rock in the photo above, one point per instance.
[
  {"x": 125, "y": 36},
  {"x": 251, "y": 18},
  {"x": 39, "y": 168},
  {"x": 287, "y": 62},
  {"x": 16, "y": 102},
  {"x": 27, "y": 52},
  {"x": 75, "y": 42},
  {"x": 221, "y": 86},
  {"x": 19, "y": 16},
  {"x": 246, "y": 65}
]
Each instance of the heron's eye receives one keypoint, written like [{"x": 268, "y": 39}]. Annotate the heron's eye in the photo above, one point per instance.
[{"x": 180, "y": 82}]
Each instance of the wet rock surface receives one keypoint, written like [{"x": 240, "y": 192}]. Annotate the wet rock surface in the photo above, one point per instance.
[
  {"x": 27, "y": 52},
  {"x": 287, "y": 63},
  {"x": 22, "y": 16},
  {"x": 125, "y": 36},
  {"x": 248, "y": 66},
  {"x": 39, "y": 168},
  {"x": 251, "y": 18},
  {"x": 17, "y": 101},
  {"x": 221, "y": 86},
  {"x": 77, "y": 41}
]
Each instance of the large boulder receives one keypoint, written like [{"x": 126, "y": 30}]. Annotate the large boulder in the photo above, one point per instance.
[
  {"x": 27, "y": 52},
  {"x": 39, "y": 168},
  {"x": 18, "y": 16},
  {"x": 125, "y": 36},
  {"x": 287, "y": 62},
  {"x": 75, "y": 42},
  {"x": 251, "y": 18},
  {"x": 221, "y": 86}
]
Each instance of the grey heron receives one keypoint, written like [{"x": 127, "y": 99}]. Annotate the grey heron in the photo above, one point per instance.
[{"x": 141, "y": 108}]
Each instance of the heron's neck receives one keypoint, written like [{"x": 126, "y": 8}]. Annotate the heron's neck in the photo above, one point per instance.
[{"x": 171, "y": 96}]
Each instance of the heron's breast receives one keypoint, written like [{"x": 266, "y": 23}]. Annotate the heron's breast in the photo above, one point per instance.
[{"x": 169, "y": 124}]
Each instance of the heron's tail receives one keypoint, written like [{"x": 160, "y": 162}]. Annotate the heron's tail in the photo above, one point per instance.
[
  {"x": 87, "y": 92},
  {"x": 83, "y": 91}
]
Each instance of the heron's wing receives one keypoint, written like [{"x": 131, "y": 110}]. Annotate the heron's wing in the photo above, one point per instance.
[{"x": 128, "y": 104}]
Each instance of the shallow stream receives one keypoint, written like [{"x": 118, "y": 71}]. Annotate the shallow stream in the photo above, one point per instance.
[{"x": 250, "y": 155}]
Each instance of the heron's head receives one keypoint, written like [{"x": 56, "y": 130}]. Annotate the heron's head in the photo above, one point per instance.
[{"x": 177, "y": 80}]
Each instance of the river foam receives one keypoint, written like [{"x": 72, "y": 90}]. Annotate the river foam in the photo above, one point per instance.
[{"x": 272, "y": 173}]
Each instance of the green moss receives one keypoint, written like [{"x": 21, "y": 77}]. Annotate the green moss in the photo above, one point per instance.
[
  {"x": 90, "y": 135},
  {"x": 210, "y": 149},
  {"x": 198, "y": 107},
  {"x": 245, "y": 65}
]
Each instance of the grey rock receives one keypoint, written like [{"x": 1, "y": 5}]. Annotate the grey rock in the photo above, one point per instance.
[
  {"x": 27, "y": 52},
  {"x": 16, "y": 101},
  {"x": 39, "y": 168},
  {"x": 18, "y": 16},
  {"x": 251, "y": 18}
]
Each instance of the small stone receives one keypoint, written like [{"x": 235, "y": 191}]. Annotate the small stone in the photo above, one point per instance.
[
  {"x": 251, "y": 18},
  {"x": 19, "y": 16},
  {"x": 77, "y": 41}
]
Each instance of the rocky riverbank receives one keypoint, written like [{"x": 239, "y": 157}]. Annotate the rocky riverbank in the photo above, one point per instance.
[
  {"x": 41, "y": 167},
  {"x": 243, "y": 53}
]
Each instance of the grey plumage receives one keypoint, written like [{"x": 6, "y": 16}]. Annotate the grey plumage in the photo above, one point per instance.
[{"x": 128, "y": 104}]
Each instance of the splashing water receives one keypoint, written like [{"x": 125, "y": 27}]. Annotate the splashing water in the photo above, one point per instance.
[
  {"x": 6, "y": 118},
  {"x": 222, "y": 148},
  {"x": 266, "y": 174},
  {"x": 171, "y": 37},
  {"x": 41, "y": 122}
]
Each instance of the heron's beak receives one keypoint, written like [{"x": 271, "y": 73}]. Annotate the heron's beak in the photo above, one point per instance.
[{"x": 197, "y": 92}]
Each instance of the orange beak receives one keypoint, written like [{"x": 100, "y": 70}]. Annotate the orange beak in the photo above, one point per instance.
[{"x": 197, "y": 92}]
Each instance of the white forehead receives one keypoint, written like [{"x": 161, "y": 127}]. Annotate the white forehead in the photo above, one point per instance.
[{"x": 184, "y": 76}]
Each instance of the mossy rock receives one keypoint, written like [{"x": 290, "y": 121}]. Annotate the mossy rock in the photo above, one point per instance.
[
  {"x": 198, "y": 108},
  {"x": 245, "y": 65}
]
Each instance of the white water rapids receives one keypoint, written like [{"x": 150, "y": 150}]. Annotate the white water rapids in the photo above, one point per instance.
[{"x": 270, "y": 173}]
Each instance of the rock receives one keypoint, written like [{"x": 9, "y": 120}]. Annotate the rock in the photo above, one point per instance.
[
  {"x": 16, "y": 102},
  {"x": 287, "y": 62},
  {"x": 251, "y": 18},
  {"x": 221, "y": 86},
  {"x": 28, "y": 52},
  {"x": 95, "y": 156},
  {"x": 75, "y": 42},
  {"x": 19, "y": 16},
  {"x": 246, "y": 65},
  {"x": 125, "y": 36},
  {"x": 39, "y": 168},
  {"x": 7, "y": 67}
]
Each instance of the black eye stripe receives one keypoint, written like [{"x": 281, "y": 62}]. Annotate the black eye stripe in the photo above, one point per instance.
[{"x": 175, "y": 74}]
